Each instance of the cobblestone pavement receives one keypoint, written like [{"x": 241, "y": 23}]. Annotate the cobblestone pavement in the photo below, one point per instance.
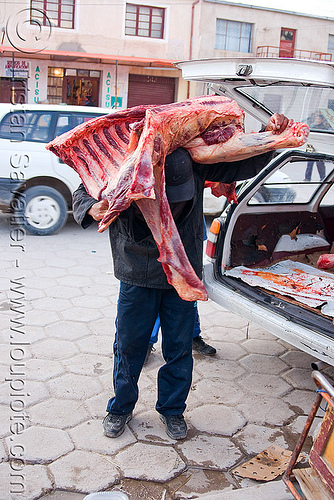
[{"x": 58, "y": 302}]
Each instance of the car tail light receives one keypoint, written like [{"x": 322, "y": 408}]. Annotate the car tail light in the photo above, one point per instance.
[{"x": 212, "y": 238}]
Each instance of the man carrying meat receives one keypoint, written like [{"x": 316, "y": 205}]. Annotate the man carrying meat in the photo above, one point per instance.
[{"x": 145, "y": 293}]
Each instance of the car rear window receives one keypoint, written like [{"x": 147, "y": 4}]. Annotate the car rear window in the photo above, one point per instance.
[
  {"x": 26, "y": 126},
  {"x": 311, "y": 105}
]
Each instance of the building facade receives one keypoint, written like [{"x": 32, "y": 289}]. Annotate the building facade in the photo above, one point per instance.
[{"x": 117, "y": 55}]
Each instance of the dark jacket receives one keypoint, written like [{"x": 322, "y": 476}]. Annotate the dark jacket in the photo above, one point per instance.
[{"x": 133, "y": 248}]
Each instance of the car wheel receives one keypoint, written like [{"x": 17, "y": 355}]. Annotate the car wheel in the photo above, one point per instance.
[{"x": 44, "y": 211}]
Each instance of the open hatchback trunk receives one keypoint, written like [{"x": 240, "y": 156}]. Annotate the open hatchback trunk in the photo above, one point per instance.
[{"x": 262, "y": 253}]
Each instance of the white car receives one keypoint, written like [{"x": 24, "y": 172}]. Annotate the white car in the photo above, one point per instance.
[
  {"x": 262, "y": 254},
  {"x": 34, "y": 184}
]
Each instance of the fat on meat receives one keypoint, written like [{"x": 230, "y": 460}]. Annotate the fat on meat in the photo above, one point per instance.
[{"x": 120, "y": 157}]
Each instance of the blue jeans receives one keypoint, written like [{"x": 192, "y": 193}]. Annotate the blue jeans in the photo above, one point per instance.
[
  {"x": 155, "y": 331},
  {"x": 137, "y": 311}
]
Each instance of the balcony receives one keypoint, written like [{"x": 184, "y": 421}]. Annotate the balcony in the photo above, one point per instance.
[{"x": 270, "y": 51}]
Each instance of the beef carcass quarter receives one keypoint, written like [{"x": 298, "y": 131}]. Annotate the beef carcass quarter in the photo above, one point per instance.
[{"x": 120, "y": 157}]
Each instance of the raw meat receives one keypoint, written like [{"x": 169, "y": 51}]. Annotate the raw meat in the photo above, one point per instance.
[
  {"x": 121, "y": 157},
  {"x": 302, "y": 282},
  {"x": 326, "y": 261}
]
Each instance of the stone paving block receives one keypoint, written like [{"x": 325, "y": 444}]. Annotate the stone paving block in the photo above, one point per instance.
[
  {"x": 265, "y": 410},
  {"x": 297, "y": 359},
  {"x": 52, "y": 304},
  {"x": 147, "y": 426},
  {"x": 63, "y": 292},
  {"x": 261, "y": 363},
  {"x": 256, "y": 332},
  {"x": 216, "y": 419},
  {"x": 5, "y": 414},
  {"x": 59, "y": 413},
  {"x": 73, "y": 281},
  {"x": 42, "y": 369},
  {"x": 50, "y": 272},
  {"x": 42, "y": 444},
  {"x": 67, "y": 330},
  {"x": 303, "y": 400},
  {"x": 32, "y": 485},
  {"x": 97, "y": 404},
  {"x": 224, "y": 333},
  {"x": 260, "y": 346},
  {"x": 256, "y": 438},
  {"x": 152, "y": 463},
  {"x": 147, "y": 400},
  {"x": 214, "y": 391},
  {"x": 3, "y": 452},
  {"x": 298, "y": 424},
  {"x": 78, "y": 471},
  {"x": 229, "y": 351},
  {"x": 80, "y": 314},
  {"x": 54, "y": 349},
  {"x": 106, "y": 379},
  {"x": 301, "y": 378},
  {"x": 104, "y": 326},
  {"x": 109, "y": 312},
  {"x": 91, "y": 302},
  {"x": 274, "y": 490},
  {"x": 89, "y": 436},
  {"x": 222, "y": 318},
  {"x": 71, "y": 257},
  {"x": 32, "y": 393},
  {"x": 216, "y": 367},
  {"x": 41, "y": 318},
  {"x": 73, "y": 386},
  {"x": 96, "y": 344},
  {"x": 85, "y": 270},
  {"x": 34, "y": 293},
  {"x": 41, "y": 283},
  {"x": 211, "y": 452},
  {"x": 88, "y": 364},
  {"x": 264, "y": 383},
  {"x": 94, "y": 290}
]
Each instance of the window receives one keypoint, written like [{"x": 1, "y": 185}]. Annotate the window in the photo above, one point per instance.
[
  {"x": 55, "y": 85},
  {"x": 142, "y": 20},
  {"x": 331, "y": 44},
  {"x": 26, "y": 126},
  {"x": 233, "y": 35},
  {"x": 59, "y": 13}
]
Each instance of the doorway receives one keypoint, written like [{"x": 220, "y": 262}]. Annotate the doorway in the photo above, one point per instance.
[
  {"x": 287, "y": 42},
  {"x": 81, "y": 91}
]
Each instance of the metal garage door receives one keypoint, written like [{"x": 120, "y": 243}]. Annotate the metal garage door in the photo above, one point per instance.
[{"x": 146, "y": 89}]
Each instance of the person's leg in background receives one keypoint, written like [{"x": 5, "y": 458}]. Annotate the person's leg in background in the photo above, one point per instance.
[
  {"x": 321, "y": 170},
  {"x": 308, "y": 171}
]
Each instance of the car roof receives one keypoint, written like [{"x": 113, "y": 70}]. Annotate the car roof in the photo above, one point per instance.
[{"x": 61, "y": 108}]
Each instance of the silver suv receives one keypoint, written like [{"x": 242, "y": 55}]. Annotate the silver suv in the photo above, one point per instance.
[{"x": 262, "y": 254}]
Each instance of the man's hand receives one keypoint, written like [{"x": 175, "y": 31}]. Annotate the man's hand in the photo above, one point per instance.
[
  {"x": 278, "y": 123},
  {"x": 98, "y": 210}
]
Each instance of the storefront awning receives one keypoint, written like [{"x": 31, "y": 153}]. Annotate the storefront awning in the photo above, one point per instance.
[{"x": 58, "y": 55}]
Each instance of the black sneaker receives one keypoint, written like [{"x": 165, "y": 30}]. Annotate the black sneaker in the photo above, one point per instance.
[
  {"x": 176, "y": 427},
  {"x": 202, "y": 347},
  {"x": 113, "y": 425},
  {"x": 150, "y": 349}
]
